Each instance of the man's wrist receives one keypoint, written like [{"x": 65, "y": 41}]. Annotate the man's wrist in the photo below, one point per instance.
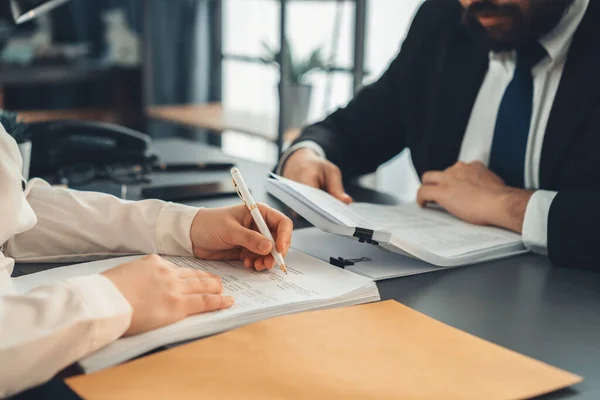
[
  {"x": 535, "y": 226},
  {"x": 511, "y": 205},
  {"x": 307, "y": 151},
  {"x": 315, "y": 147}
]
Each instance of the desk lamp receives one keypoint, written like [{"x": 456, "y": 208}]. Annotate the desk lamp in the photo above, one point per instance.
[{"x": 26, "y": 10}]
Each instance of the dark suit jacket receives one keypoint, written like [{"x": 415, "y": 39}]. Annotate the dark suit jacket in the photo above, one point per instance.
[{"x": 424, "y": 102}]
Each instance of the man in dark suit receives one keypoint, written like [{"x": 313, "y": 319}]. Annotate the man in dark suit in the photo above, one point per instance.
[{"x": 499, "y": 103}]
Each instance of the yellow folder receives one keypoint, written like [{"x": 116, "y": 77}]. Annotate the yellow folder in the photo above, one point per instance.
[{"x": 375, "y": 351}]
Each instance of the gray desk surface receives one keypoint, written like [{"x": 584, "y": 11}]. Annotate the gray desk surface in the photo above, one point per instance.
[{"x": 521, "y": 303}]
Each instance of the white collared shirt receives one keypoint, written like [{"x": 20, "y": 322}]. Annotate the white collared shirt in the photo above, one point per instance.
[
  {"x": 477, "y": 142},
  {"x": 547, "y": 74},
  {"x": 53, "y": 326}
]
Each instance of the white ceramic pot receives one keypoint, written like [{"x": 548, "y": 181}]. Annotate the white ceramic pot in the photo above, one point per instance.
[{"x": 296, "y": 105}]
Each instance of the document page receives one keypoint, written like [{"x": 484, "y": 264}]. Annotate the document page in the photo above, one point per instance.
[
  {"x": 257, "y": 295},
  {"x": 309, "y": 284},
  {"x": 429, "y": 234},
  {"x": 435, "y": 230},
  {"x": 306, "y": 279},
  {"x": 369, "y": 260},
  {"x": 321, "y": 202}
]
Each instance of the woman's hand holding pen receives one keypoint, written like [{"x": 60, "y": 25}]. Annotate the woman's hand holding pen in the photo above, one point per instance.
[{"x": 231, "y": 234}]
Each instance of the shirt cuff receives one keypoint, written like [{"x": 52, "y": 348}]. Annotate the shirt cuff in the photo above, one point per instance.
[
  {"x": 308, "y": 144},
  {"x": 535, "y": 225},
  {"x": 105, "y": 305},
  {"x": 173, "y": 232}
]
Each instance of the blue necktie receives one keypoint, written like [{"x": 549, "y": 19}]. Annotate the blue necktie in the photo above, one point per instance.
[{"x": 507, "y": 158}]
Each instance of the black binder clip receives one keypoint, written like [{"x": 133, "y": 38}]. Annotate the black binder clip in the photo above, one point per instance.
[
  {"x": 365, "y": 236},
  {"x": 343, "y": 263}
]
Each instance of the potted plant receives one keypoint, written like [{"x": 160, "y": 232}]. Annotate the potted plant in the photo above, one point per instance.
[
  {"x": 22, "y": 135},
  {"x": 297, "y": 90}
]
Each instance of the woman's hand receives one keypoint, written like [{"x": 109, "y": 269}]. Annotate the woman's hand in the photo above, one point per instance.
[
  {"x": 230, "y": 234},
  {"x": 161, "y": 293}
]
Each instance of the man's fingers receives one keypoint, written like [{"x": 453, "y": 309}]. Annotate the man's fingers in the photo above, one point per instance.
[
  {"x": 432, "y": 177},
  {"x": 334, "y": 185},
  {"x": 310, "y": 179},
  {"x": 202, "y": 303},
  {"x": 477, "y": 164},
  {"x": 251, "y": 240},
  {"x": 428, "y": 194},
  {"x": 211, "y": 285}
]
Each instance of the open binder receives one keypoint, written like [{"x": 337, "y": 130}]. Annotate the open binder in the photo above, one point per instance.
[{"x": 431, "y": 235}]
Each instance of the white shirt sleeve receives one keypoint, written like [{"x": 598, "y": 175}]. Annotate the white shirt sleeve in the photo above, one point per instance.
[
  {"x": 300, "y": 145},
  {"x": 75, "y": 226},
  {"x": 535, "y": 225},
  {"x": 51, "y": 327}
]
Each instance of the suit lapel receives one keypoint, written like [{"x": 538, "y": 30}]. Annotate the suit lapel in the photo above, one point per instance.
[
  {"x": 463, "y": 68},
  {"x": 577, "y": 95}
]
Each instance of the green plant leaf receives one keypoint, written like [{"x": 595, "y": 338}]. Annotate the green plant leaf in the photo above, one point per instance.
[
  {"x": 270, "y": 56},
  {"x": 312, "y": 62},
  {"x": 296, "y": 69}
]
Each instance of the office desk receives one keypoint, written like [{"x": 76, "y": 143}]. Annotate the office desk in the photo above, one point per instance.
[{"x": 521, "y": 303}]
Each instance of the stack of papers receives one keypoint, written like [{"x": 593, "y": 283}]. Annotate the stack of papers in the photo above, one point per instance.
[
  {"x": 371, "y": 261},
  {"x": 310, "y": 284},
  {"x": 431, "y": 235}
]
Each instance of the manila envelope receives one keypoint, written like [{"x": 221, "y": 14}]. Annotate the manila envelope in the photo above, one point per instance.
[{"x": 376, "y": 351}]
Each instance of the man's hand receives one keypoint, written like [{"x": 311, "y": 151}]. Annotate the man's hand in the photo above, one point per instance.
[
  {"x": 230, "y": 234},
  {"x": 305, "y": 166},
  {"x": 161, "y": 293},
  {"x": 475, "y": 194}
]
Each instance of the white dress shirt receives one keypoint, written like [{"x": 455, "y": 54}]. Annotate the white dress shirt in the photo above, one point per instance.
[
  {"x": 51, "y": 327},
  {"x": 477, "y": 142}
]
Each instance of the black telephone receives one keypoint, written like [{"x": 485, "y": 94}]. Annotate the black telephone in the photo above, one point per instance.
[{"x": 66, "y": 143}]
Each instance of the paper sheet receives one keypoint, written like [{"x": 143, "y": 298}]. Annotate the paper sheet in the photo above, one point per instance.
[
  {"x": 435, "y": 230},
  {"x": 381, "y": 264},
  {"x": 424, "y": 230},
  {"x": 258, "y": 295},
  {"x": 304, "y": 281},
  {"x": 322, "y": 203}
]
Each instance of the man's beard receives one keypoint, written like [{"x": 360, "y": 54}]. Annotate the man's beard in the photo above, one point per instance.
[{"x": 543, "y": 16}]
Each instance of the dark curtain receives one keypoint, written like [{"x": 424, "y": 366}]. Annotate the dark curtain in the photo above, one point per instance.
[{"x": 185, "y": 56}]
